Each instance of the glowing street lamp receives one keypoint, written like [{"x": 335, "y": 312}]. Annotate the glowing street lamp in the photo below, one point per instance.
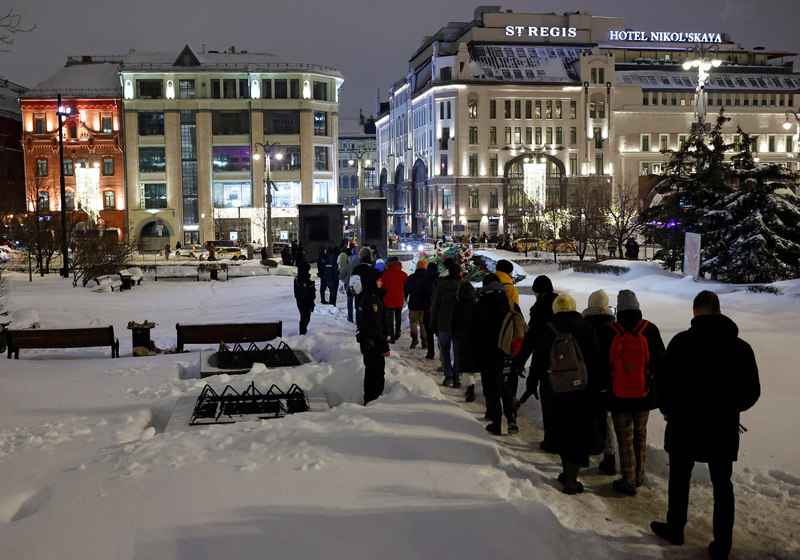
[
  {"x": 703, "y": 59},
  {"x": 268, "y": 186}
]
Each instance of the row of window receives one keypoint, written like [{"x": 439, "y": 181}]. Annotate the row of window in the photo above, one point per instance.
[
  {"x": 772, "y": 144},
  {"x": 233, "y": 88},
  {"x": 152, "y": 159},
  {"x": 109, "y": 200},
  {"x": 68, "y": 170},
  {"x": 40, "y": 125},
  {"x": 538, "y": 109},
  {"x": 718, "y": 99},
  {"x": 237, "y": 122},
  {"x": 474, "y": 171},
  {"x": 351, "y": 181}
]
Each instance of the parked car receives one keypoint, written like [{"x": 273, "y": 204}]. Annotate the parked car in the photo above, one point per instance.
[
  {"x": 191, "y": 251},
  {"x": 232, "y": 253}
]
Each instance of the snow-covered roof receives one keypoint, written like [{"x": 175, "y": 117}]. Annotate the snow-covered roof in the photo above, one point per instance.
[
  {"x": 677, "y": 78},
  {"x": 212, "y": 61},
  {"x": 9, "y": 95},
  {"x": 100, "y": 80},
  {"x": 528, "y": 63}
]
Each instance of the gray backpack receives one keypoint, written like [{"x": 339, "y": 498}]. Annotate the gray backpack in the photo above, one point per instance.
[{"x": 567, "y": 369}]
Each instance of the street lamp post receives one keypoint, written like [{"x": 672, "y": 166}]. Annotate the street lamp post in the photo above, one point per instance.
[
  {"x": 359, "y": 155},
  {"x": 788, "y": 125},
  {"x": 62, "y": 112},
  {"x": 267, "y": 147},
  {"x": 702, "y": 58}
]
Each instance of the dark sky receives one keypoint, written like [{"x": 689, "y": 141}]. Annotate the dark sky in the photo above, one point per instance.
[{"x": 368, "y": 41}]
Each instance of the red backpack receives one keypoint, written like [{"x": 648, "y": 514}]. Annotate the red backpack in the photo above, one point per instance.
[{"x": 630, "y": 362}]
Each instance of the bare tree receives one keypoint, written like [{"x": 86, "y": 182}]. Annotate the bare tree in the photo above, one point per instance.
[
  {"x": 100, "y": 256},
  {"x": 621, "y": 206},
  {"x": 10, "y": 25},
  {"x": 586, "y": 209}
]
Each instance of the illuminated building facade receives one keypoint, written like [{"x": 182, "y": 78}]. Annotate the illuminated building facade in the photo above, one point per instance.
[
  {"x": 93, "y": 145},
  {"x": 504, "y": 116}
]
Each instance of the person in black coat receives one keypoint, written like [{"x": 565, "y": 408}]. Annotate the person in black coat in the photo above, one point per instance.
[
  {"x": 573, "y": 414},
  {"x": 426, "y": 294},
  {"x": 286, "y": 255},
  {"x": 442, "y": 303},
  {"x": 304, "y": 294},
  {"x": 487, "y": 318},
  {"x": 630, "y": 415},
  {"x": 371, "y": 336},
  {"x": 599, "y": 315},
  {"x": 460, "y": 325},
  {"x": 417, "y": 301},
  {"x": 540, "y": 314},
  {"x": 708, "y": 378}
]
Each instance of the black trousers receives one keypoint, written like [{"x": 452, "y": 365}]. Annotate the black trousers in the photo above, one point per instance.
[
  {"x": 374, "y": 365},
  {"x": 393, "y": 314},
  {"x": 499, "y": 381},
  {"x": 680, "y": 476},
  {"x": 305, "y": 317}
]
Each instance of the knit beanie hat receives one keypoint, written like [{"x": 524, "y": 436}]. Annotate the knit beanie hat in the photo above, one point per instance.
[
  {"x": 563, "y": 303},
  {"x": 489, "y": 278},
  {"x": 598, "y": 299},
  {"x": 504, "y": 265},
  {"x": 542, "y": 285},
  {"x": 626, "y": 300},
  {"x": 421, "y": 264}
]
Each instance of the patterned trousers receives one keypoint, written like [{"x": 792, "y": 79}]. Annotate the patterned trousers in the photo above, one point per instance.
[{"x": 631, "y": 428}]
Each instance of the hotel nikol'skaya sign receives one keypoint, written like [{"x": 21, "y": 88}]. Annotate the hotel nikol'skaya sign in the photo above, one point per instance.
[{"x": 627, "y": 35}]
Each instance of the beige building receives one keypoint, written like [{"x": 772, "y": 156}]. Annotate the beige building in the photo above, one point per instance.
[
  {"x": 499, "y": 118},
  {"x": 195, "y": 129}
]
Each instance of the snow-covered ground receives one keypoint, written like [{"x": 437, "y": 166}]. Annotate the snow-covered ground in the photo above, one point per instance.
[{"x": 89, "y": 472}]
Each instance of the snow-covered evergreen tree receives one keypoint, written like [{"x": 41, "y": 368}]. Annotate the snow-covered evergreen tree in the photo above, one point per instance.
[
  {"x": 753, "y": 234},
  {"x": 694, "y": 179}
]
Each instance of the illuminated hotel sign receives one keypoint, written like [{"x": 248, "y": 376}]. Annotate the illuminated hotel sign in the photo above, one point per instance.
[
  {"x": 664, "y": 36},
  {"x": 534, "y": 31}
]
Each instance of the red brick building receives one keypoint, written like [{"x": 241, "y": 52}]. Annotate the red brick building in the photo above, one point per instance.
[{"x": 93, "y": 144}]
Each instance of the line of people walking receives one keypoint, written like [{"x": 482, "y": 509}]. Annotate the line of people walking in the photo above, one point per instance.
[{"x": 597, "y": 373}]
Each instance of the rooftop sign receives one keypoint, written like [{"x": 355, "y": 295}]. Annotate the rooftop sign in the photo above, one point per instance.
[
  {"x": 540, "y": 31},
  {"x": 664, "y": 36}
]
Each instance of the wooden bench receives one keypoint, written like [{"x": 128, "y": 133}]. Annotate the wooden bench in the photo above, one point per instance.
[
  {"x": 177, "y": 272},
  {"x": 227, "y": 332},
  {"x": 61, "y": 338}
]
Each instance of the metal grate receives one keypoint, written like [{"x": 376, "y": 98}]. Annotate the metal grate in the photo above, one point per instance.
[
  {"x": 240, "y": 357},
  {"x": 231, "y": 406}
]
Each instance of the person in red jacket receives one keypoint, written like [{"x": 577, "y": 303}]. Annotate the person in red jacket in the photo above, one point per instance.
[{"x": 394, "y": 280}]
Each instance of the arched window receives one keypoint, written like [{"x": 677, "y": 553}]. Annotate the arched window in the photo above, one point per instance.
[
  {"x": 354, "y": 181},
  {"x": 345, "y": 180}
]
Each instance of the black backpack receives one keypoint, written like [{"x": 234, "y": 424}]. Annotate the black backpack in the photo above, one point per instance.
[{"x": 567, "y": 369}]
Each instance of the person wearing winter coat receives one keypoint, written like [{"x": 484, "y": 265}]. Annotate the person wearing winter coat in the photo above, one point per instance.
[
  {"x": 504, "y": 271},
  {"x": 630, "y": 415},
  {"x": 413, "y": 290},
  {"x": 441, "y": 306},
  {"x": 344, "y": 275},
  {"x": 304, "y": 294},
  {"x": 322, "y": 260},
  {"x": 286, "y": 255},
  {"x": 362, "y": 270},
  {"x": 708, "y": 378},
  {"x": 599, "y": 315},
  {"x": 573, "y": 413},
  {"x": 541, "y": 313},
  {"x": 425, "y": 297},
  {"x": 330, "y": 274},
  {"x": 460, "y": 325},
  {"x": 371, "y": 336},
  {"x": 394, "y": 280},
  {"x": 488, "y": 314}
]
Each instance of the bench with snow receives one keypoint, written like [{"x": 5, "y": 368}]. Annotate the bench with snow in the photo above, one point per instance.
[
  {"x": 61, "y": 338},
  {"x": 106, "y": 284},
  {"x": 245, "y": 271},
  {"x": 177, "y": 272},
  {"x": 230, "y": 333},
  {"x": 135, "y": 274}
]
